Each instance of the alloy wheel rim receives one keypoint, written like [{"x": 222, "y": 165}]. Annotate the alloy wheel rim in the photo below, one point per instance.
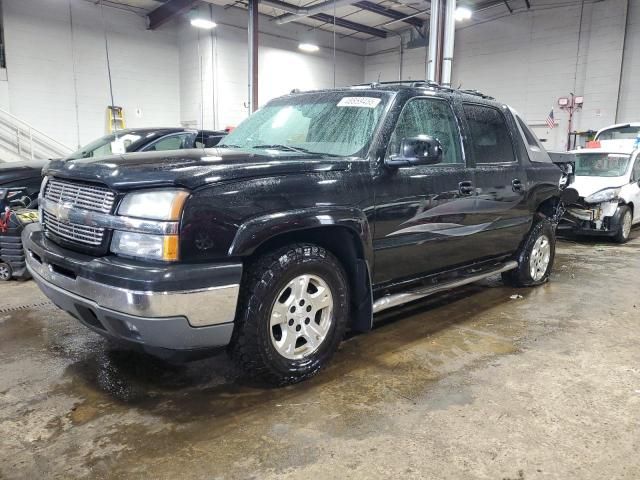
[
  {"x": 301, "y": 317},
  {"x": 540, "y": 258},
  {"x": 626, "y": 225},
  {"x": 4, "y": 272}
]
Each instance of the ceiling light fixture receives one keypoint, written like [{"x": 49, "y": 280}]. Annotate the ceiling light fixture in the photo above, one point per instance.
[
  {"x": 463, "y": 13},
  {"x": 203, "y": 23},
  {"x": 308, "y": 47}
]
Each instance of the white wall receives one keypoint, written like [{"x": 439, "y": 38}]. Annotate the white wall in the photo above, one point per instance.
[
  {"x": 630, "y": 91},
  {"x": 282, "y": 67},
  {"x": 531, "y": 58},
  {"x": 52, "y": 69},
  {"x": 57, "y": 70}
]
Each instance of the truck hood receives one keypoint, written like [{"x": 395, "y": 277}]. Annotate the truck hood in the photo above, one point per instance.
[
  {"x": 190, "y": 168},
  {"x": 589, "y": 185}
]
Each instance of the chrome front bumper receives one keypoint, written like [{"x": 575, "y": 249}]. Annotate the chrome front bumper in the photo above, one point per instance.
[
  {"x": 135, "y": 302},
  {"x": 202, "y": 307}
]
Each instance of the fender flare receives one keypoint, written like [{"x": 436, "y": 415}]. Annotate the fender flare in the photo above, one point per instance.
[{"x": 256, "y": 231}]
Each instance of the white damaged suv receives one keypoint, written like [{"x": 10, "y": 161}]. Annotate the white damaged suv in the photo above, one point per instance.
[{"x": 606, "y": 200}]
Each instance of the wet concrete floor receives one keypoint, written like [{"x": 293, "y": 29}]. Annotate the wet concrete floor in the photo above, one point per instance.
[{"x": 471, "y": 384}]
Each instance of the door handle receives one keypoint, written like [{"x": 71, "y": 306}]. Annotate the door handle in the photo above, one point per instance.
[
  {"x": 517, "y": 185},
  {"x": 466, "y": 187}
]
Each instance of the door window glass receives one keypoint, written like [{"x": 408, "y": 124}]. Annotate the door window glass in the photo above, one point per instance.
[
  {"x": 172, "y": 142},
  {"x": 489, "y": 135},
  {"x": 426, "y": 116},
  {"x": 635, "y": 176}
]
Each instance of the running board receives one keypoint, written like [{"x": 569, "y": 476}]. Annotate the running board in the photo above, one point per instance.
[{"x": 390, "y": 301}]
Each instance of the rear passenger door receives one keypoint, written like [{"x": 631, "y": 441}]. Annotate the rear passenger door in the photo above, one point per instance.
[{"x": 499, "y": 180}]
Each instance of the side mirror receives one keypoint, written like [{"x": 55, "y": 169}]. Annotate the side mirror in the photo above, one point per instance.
[{"x": 422, "y": 150}]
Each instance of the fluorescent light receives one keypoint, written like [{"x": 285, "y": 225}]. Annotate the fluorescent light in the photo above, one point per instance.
[
  {"x": 308, "y": 47},
  {"x": 462, "y": 13},
  {"x": 203, "y": 23}
]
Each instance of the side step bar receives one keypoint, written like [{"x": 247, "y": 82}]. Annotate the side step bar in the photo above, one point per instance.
[{"x": 390, "y": 301}]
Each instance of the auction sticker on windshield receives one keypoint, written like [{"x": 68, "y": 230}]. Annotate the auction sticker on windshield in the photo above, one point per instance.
[{"x": 362, "y": 102}]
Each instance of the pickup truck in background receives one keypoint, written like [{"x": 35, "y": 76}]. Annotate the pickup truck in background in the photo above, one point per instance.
[{"x": 319, "y": 211}]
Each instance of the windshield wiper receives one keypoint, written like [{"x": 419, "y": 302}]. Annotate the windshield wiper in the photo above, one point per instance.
[
  {"x": 278, "y": 146},
  {"x": 290, "y": 148}
]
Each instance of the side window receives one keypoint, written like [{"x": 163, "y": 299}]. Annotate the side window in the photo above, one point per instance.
[
  {"x": 635, "y": 175},
  {"x": 528, "y": 134},
  {"x": 489, "y": 135},
  {"x": 427, "y": 116},
  {"x": 172, "y": 142}
]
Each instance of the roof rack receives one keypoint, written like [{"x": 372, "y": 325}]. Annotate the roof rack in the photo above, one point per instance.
[
  {"x": 477, "y": 93},
  {"x": 422, "y": 83}
]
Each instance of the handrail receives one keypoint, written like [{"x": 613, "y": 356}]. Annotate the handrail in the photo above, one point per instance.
[
  {"x": 28, "y": 126},
  {"x": 28, "y": 142}
]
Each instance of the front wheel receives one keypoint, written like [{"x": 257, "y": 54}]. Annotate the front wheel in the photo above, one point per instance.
[
  {"x": 624, "y": 227},
  {"x": 535, "y": 257},
  {"x": 293, "y": 314}
]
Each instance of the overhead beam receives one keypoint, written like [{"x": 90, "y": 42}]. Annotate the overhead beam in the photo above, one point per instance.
[
  {"x": 389, "y": 13},
  {"x": 167, "y": 11},
  {"x": 356, "y": 27}
]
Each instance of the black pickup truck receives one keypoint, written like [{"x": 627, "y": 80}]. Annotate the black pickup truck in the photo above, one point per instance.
[{"x": 317, "y": 212}]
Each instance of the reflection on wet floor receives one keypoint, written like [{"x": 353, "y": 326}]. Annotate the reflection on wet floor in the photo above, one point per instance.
[{"x": 99, "y": 409}]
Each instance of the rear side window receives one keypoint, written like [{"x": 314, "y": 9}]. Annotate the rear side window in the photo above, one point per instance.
[
  {"x": 489, "y": 135},
  {"x": 528, "y": 134},
  {"x": 635, "y": 176}
]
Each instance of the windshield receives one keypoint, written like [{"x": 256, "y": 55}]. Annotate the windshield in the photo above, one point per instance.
[
  {"x": 340, "y": 124},
  {"x": 107, "y": 145},
  {"x": 620, "y": 133},
  {"x": 601, "y": 164}
]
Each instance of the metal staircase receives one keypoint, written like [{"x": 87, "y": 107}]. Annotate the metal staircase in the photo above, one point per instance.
[{"x": 20, "y": 141}]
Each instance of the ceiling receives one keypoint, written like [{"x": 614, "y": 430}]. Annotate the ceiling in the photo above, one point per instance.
[{"x": 362, "y": 13}]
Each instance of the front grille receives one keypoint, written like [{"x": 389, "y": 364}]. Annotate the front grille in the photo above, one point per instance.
[
  {"x": 86, "y": 197},
  {"x": 74, "y": 233}
]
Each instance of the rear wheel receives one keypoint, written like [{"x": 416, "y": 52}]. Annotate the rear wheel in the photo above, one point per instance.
[
  {"x": 5, "y": 272},
  {"x": 293, "y": 314},
  {"x": 535, "y": 257},
  {"x": 624, "y": 227}
]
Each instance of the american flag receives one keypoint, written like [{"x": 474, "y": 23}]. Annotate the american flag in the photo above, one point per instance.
[{"x": 551, "y": 122}]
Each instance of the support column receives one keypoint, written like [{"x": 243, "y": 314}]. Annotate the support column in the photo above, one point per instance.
[
  {"x": 449, "y": 39},
  {"x": 434, "y": 40},
  {"x": 253, "y": 55}
]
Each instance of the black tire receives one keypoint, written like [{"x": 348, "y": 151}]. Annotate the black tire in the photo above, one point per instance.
[
  {"x": 252, "y": 347},
  {"x": 6, "y": 273},
  {"x": 521, "y": 276},
  {"x": 622, "y": 234}
]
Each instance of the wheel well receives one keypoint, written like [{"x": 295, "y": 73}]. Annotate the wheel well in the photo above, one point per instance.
[
  {"x": 548, "y": 207},
  {"x": 346, "y": 246},
  {"x": 630, "y": 205}
]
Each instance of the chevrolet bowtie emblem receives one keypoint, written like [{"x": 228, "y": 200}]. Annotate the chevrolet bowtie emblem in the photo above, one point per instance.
[{"x": 62, "y": 211}]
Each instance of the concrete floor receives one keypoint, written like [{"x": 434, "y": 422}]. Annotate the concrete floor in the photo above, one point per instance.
[{"x": 472, "y": 384}]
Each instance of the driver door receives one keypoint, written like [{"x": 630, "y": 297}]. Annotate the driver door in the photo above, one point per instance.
[{"x": 424, "y": 214}]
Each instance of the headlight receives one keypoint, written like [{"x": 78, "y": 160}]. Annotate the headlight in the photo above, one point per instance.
[
  {"x": 140, "y": 245},
  {"x": 154, "y": 204},
  {"x": 605, "y": 195}
]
